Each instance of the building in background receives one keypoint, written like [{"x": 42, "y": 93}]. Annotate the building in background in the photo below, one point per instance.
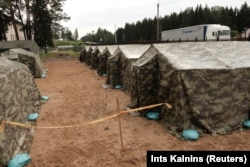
[{"x": 10, "y": 35}]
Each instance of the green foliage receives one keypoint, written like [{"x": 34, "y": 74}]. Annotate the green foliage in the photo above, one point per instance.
[
  {"x": 234, "y": 33},
  {"x": 76, "y": 36},
  {"x": 243, "y": 17},
  {"x": 146, "y": 30},
  {"x": 66, "y": 34},
  {"x": 55, "y": 54},
  {"x": 39, "y": 19},
  {"x": 101, "y": 36},
  {"x": 4, "y": 25},
  {"x": 67, "y": 42},
  {"x": 42, "y": 27}
]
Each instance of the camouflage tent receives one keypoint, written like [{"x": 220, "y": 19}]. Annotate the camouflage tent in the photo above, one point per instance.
[
  {"x": 29, "y": 45},
  {"x": 88, "y": 55},
  {"x": 144, "y": 80},
  {"x": 94, "y": 56},
  {"x": 206, "y": 83},
  {"x": 18, "y": 98},
  {"x": 103, "y": 59},
  {"x": 32, "y": 60},
  {"x": 83, "y": 54},
  {"x": 119, "y": 64}
]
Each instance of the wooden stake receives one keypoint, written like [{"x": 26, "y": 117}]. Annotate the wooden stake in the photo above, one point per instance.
[{"x": 119, "y": 120}]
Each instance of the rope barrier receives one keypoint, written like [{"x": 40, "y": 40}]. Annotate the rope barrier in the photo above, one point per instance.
[{"x": 83, "y": 124}]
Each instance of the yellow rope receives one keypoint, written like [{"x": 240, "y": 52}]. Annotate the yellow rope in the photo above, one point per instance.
[{"x": 83, "y": 124}]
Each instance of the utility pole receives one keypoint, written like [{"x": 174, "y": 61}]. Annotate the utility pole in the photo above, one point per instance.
[{"x": 158, "y": 24}]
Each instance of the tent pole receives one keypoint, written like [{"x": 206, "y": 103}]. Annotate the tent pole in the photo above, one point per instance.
[
  {"x": 137, "y": 91},
  {"x": 119, "y": 120}
]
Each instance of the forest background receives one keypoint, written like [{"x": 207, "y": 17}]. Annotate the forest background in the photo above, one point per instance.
[{"x": 41, "y": 21}]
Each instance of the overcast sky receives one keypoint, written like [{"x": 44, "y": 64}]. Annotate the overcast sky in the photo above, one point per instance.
[{"x": 89, "y": 15}]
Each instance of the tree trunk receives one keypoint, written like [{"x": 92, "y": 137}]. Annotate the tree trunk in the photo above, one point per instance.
[
  {"x": 28, "y": 26},
  {"x": 13, "y": 20},
  {"x": 45, "y": 48},
  {"x": 20, "y": 17}
]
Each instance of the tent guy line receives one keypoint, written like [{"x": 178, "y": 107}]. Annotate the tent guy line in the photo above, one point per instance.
[{"x": 4, "y": 123}]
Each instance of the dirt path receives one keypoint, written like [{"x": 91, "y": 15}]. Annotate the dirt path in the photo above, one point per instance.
[{"x": 76, "y": 96}]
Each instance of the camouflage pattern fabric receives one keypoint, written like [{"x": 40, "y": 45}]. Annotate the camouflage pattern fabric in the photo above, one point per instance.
[
  {"x": 103, "y": 62},
  {"x": 19, "y": 97},
  {"x": 121, "y": 63},
  {"x": 214, "y": 101},
  {"x": 114, "y": 73},
  {"x": 126, "y": 73},
  {"x": 205, "y": 82},
  {"x": 111, "y": 51},
  {"x": 144, "y": 80},
  {"x": 82, "y": 56},
  {"x": 94, "y": 58},
  {"x": 88, "y": 56},
  {"x": 32, "y": 60}
]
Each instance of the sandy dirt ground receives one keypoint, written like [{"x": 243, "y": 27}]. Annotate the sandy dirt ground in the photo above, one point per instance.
[{"x": 76, "y": 96}]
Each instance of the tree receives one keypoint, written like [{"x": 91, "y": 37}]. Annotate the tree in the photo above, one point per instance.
[
  {"x": 46, "y": 15},
  {"x": 187, "y": 17},
  {"x": 9, "y": 8},
  {"x": 4, "y": 25},
  {"x": 68, "y": 34},
  {"x": 42, "y": 25},
  {"x": 243, "y": 17},
  {"x": 4, "y": 20},
  {"x": 130, "y": 32},
  {"x": 120, "y": 35},
  {"x": 28, "y": 27},
  {"x": 101, "y": 36},
  {"x": 56, "y": 11},
  {"x": 76, "y": 36},
  {"x": 20, "y": 8},
  {"x": 63, "y": 36},
  {"x": 87, "y": 37},
  {"x": 145, "y": 30}
]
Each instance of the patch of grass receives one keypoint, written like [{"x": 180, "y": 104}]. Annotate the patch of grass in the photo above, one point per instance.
[
  {"x": 71, "y": 53},
  {"x": 56, "y": 53},
  {"x": 47, "y": 55},
  {"x": 67, "y": 42}
]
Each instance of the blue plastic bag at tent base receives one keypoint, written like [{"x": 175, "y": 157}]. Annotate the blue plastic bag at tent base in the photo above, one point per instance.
[
  {"x": 118, "y": 86},
  {"x": 190, "y": 134},
  {"x": 19, "y": 160},
  {"x": 45, "y": 98},
  {"x": 43, "y": 75},
  {"x": 247, "y": 123},
  {"x": 33, "y": 116},
  {"x": 153, "y": 115}
]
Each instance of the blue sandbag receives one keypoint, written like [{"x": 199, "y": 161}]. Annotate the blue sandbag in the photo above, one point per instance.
[
  {"x": 247, "y": 123},
  {"x": 43, "y": 75},
  {"x": 190, "y": 134},
  {"x": 45, "y": 98},
  {"x": 33, "y": 116},
  {"x": 118, "y": 86},
  {"x": 153, "y": 115},
  {"x": 19, "y": 160}
]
